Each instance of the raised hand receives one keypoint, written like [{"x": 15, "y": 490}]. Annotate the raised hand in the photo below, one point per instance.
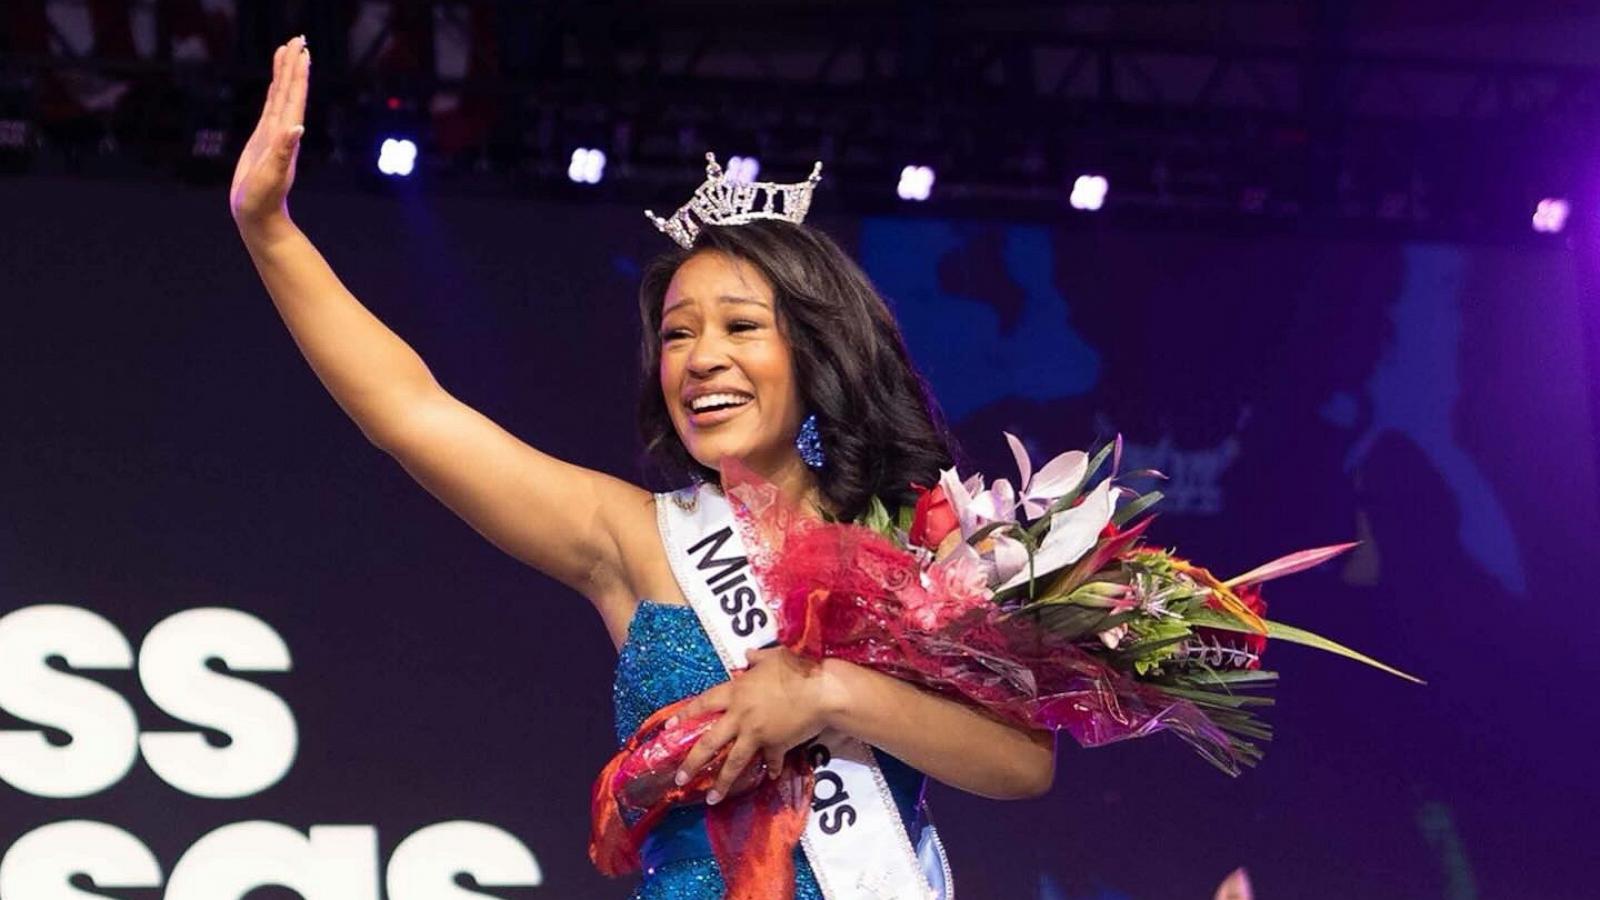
[{"x": 259, "y": 195}]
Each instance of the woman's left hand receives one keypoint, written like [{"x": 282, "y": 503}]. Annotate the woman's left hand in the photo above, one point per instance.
[{"x": 767, "y": 709}]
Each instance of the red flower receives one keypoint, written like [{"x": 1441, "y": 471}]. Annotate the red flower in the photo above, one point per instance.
[
  {"x": 933, "y": 518},
  {"x": 1255, "y": 644}
]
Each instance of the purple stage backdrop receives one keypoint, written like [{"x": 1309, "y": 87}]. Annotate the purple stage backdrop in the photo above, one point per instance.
[{"x": 239, "y": 648}]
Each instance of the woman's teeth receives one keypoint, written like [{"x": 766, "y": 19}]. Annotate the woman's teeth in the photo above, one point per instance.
[{"x": 710, "y": 402}]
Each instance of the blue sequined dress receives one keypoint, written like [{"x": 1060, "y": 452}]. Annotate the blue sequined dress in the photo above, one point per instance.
[{"x": 665, "y": 658}]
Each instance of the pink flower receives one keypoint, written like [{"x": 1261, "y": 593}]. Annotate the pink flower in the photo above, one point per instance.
[{"x": 950, "y": 589}]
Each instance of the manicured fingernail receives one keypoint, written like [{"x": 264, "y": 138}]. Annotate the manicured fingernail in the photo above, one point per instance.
[
  {"x": 713, "y": 797},
  {"x": 680, "y": 779}
]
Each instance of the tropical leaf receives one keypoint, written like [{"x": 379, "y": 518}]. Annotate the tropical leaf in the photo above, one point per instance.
[
  {"x": 1234, "y": 677},
  {"x": 1282, "y": 632},
  {"x": 1100, "y": 457},
  {"x": 1288, "y": 565},
  {"x": 877, "y": 517},
  {"x": 1071, "y": 621},
  {"x": 1125, "y": 655},
  {"x": 1217, "y": 698},
  {"x": 1134, "y": 507}
]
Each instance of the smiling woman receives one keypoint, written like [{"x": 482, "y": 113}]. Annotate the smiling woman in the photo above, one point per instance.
[
  {"x": 762, "y": 342},
  {"x": 784, "y": 303},
  {"x": 726, "y": 373}
]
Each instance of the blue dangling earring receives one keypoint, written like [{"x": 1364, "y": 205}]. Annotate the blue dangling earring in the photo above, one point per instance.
[{"x": 809, "y": 443}]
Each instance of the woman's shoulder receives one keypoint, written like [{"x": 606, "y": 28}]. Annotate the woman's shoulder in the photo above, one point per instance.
[
  {"x": 642, "y": 558},
  {"x": 633, "y": 508}
]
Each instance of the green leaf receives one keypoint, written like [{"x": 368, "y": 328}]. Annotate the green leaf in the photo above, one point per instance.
[
  {"x": 1217, "y": 698},
  {"x": 1146, "y": 651},
  {"x": 1094, "y": 463},
  {"x": 1069, "y": 620},
  {"x": 877, "y": 516},
  {"x": 1133, "y": 508},
  {"x": 1239, "y": 677},
  {"x": 1300, "y": 636}
]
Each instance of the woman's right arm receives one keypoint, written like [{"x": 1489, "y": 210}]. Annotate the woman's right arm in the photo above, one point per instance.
[{"x": 560, "y": 518}]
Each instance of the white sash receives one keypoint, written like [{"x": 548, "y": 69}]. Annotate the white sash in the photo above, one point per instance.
[{"x": 854, "y": 838}]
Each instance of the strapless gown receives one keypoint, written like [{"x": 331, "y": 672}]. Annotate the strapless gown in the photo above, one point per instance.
[{"x": 665, "y": 658}]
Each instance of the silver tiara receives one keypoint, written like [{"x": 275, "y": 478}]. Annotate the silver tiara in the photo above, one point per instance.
[{"x": 724, "y": 201}]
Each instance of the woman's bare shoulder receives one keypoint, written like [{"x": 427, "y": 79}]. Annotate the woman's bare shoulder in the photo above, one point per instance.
[{"x": 642, "y": 568}]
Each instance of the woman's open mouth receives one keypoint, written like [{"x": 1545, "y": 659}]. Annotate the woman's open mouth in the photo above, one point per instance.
[{"x": 711, "y": 409}]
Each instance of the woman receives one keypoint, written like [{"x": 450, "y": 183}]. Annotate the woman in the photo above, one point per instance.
[{"x": 778, "y": 322}]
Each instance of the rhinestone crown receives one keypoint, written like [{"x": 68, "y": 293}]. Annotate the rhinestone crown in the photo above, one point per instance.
[{"x": 721, "y": 200}]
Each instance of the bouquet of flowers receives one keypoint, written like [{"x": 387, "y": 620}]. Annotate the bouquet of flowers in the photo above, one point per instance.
[{"x": 1036, "y": 601}]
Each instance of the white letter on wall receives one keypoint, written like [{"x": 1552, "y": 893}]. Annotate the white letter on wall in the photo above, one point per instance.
[
  {"x": 172, "y": 668},
  {"x": 338, "y": 862},
  {"x": 425, "y": 864},
  {"x": 104, "y": 732},
  {"x": 40, "y": 865}
]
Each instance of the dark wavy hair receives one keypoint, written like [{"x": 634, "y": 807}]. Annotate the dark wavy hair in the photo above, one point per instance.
[{"x": 880, "y": 428}]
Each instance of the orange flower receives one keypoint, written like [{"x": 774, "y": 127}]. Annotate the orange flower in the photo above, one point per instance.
[{"x": 1255, "y": 644}]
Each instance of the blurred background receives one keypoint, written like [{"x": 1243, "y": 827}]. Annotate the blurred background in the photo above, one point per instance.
[{"x": 1328, "y": 265}]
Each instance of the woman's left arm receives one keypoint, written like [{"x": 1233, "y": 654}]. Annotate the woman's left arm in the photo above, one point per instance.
[{"x": 782, "y": 700}]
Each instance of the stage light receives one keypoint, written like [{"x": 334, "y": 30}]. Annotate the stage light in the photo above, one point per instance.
[
  {"x": 744, "y": 168},
  {"x": 587, "y": 166},
  {"x": 208, "y": 143},
  {"x": 1089, "y": 192},
  {"x": 397, "y": 156},
  {"x": 1550, "y": 216},
  {"x": 916, "y": 183}
]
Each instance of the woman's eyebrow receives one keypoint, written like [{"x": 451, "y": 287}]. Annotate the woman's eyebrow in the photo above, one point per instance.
[{"x": 721, "y": 298}]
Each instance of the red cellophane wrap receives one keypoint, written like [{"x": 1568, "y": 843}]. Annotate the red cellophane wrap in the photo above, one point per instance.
[
  {"x": 753, "y": 836},
  {"x": 846, "y": 592}
]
